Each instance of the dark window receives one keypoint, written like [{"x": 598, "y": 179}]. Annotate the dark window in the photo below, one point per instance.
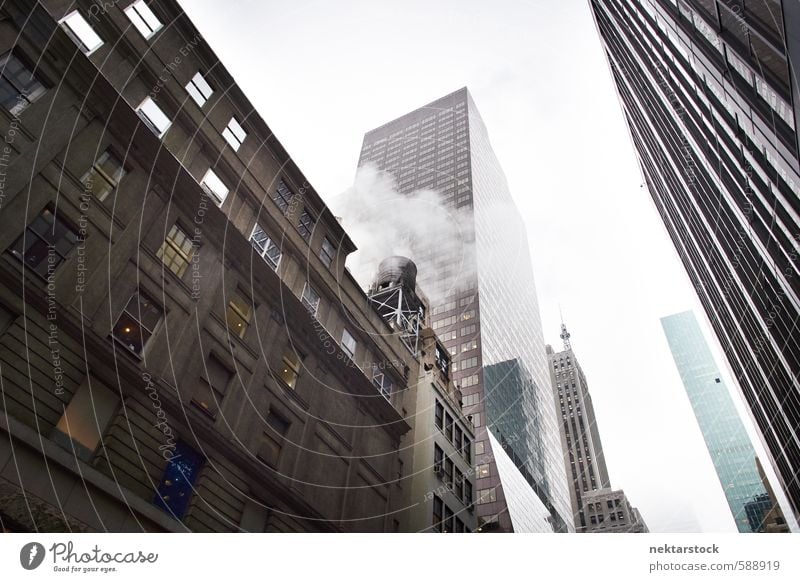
[
  {"x": 458, "y": 437},
  {"x": 19, "y": 87},
  {"x": 458, "y": 485},
  {"x": 439, "y": 415},
  {"x": 277, "y": 427},
  {"x": 137, "y": 322},
  {"x": 45, "y": 243},
  {"x": 438, "y": 458},
  {"x": 448, "y": 427},
  {"x": 468, "y": 494},
  {"x": 437, "y": 513},
  {"x": 177, "y": 484},
  {"x": 459, "y": 526},
  {"x": 104, "y": 175},
  {"x": 213, "y": 386},
  {"x": 306, "y": 225},
  {"x": 327, "y": 252},
  {"x": 448, "y": 472},
  {"x": 448, "y": 520},
  {"x": 283, "y": 196},
  {"x": 467, "y": 449}
]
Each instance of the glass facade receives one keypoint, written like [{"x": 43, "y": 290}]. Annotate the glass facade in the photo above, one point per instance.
[
  {"x": 725, "y": 436},
  {"x": 484, "y": 306},
  {"x": 712, "y": 110}
]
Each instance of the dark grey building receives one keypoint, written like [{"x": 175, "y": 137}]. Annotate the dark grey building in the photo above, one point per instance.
[
  {"x": 485, "y": 310},
  {"x": 709, "y": 90},
  {"x": 583, "y": 451}
]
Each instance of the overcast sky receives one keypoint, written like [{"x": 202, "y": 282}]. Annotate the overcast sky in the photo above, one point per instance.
[{"x": 323, "y": 73}]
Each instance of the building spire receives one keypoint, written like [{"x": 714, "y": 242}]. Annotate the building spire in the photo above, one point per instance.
[{"x": 564, "y": 332}]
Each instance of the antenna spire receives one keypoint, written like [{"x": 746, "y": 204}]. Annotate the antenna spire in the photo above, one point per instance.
[{"x": 564, "y": 332}]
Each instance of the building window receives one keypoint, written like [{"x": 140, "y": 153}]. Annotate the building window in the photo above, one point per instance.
[
  {"x": 310, "y": 299},
  {"x": 458, "y": 437},
  {"x": 176, "y": 251},
  {"x": 476, "y": 419},
  {"x": 234, "y": 134},
  {"x": 382, "y": 382},
  {"x": 212, "y": 387},
  {"x": 290, "y": 369},
  {"x": 283, "y": 196},
  {"x": 137, "y": 323},
  {"x": 468, "y": 494},
  {"x": 238, "y": 314},
  {"x": 177, "y": 483},
  {"x": 458, "y": 484},
  {"x": 468, "y": 314},
  {"x": 487, "y": 495},
  {"x": 199, "y": 89},
  {"x": 479, "y": 448},
  {"x": 19, "y": 87},
  {"x": 143, "y": 18},
  {"x": 277, "y": 427},
  {"x": 465, "y": 347},
  {"x": 438, "y": 460},
  {"x": 81, "y": 32},
  {"x": 327, "y": 252},
  {"x": 447, "y": 526},
  {"x": 153, "y": 117},
  {"x": 448, "y": 426},
  {"x": 45, "y": 243},
  {"x": 467, "y": 449},
  {"x": 306, "y": 224},
  {"x": 448, "y": 472},
  {"x": 439, "y": 416},
  {"x": 264, "y": 246},
  {"x": 104, "y": 175},
  {"x": 459, "y": 526},
  {"x": 468, "y": 330},
  {"x": 214, "y": 187},
  {"x": 348, "y": 344},
  {"x": 437, "y": 513},
  {"x": 482, "y": 471},
  {"x": 87, "y": 416}
]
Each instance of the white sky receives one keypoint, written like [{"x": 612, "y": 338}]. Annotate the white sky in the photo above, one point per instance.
[{"x": 323, "y": 73}]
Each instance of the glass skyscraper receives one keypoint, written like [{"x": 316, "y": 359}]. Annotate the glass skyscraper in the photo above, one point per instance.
[
  {"x": 725, "y": 436},
  {"x": 710, "y": 93},
  {"x": 484, "y": 307}
]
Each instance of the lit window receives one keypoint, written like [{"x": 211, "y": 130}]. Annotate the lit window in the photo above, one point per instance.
[
  {"x": 283, "y": 196},
  {"x": 212, "y": 184},
  {"x": 482, "y": 471},
  {"x": 177, "y": 484},
  {"x": 327, "y": 252},
  {"x": 143, "y": 18},
  {"x": 19, "y": 87},
  {"x": 176, "y": 251},
  {"x": 153, "y": 116},
  {"x": 45, "y": 243},
  {"x": 104, "y": 175},
  {"x": 87, "y": 416},
  {"x": 265, "y": 247},
  {"x": 238, "y": 314},
  {"x": 310, "y": 299},
  {"x": 234, "y": 134},
  {"x": 81, "y": 32},
  {"x": 199, "y": 89},
  {"x": 290, "y": 369},
  {"x": 348, "y": 344},
  {"x": 137, "y": 322},
  {"x": 306, "y": 224}
]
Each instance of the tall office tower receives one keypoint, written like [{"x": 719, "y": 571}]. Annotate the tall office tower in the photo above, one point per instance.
[
  {"x": 710, "y": 93},
  {"x": 484, "y": 307},
  {"x": 580, "y": 440},
  {"x": 726, "y": 438}
]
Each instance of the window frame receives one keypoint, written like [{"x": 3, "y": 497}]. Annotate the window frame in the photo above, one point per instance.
[
  {"x": 315, "y": 311},
  {"x": 230, "y": 133},
  {"x": 192, "y": 87},
  {"x": 148, "y": 121},
  {"x": 96, "y": 169},
  {"x": 246, "y": 318},
  {"x": 77, "y": 36},
  {"x": 179, "y": 252},
  {"x": 22, "y": 241},
  {"x": 218, "y": 197},
  {"x": 327, "y": 255},
  {"x": 135, "y": 317},
  {"x": 264, "y": 252},
  {"x": 133, "y": 8},
  {"x": 25, "y": 97}
]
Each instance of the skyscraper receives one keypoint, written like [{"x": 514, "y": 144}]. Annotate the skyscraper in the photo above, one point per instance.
[
  {"x": 484, "y": 307},
  {"x": 725, "y": 436},
  {"x": 580, "y": 439},
  {"x": 709, "y": 90}
]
